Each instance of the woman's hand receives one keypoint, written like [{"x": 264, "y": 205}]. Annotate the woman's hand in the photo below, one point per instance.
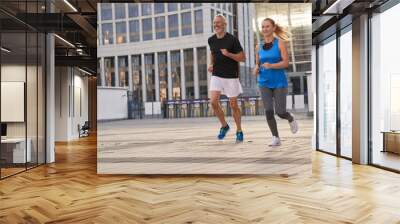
[
  {"x": 256, "y": 70},
  {"x": 210, "y": 68},
  {"x": 267, "y": 65}
]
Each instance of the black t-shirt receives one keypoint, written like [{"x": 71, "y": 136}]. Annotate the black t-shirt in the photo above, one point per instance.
[{"x": 225, "y": 67}]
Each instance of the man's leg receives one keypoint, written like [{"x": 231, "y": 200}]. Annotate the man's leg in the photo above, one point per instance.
[
  {"x": 215, "y": 95},
  {"x": 236, "y": 112}
]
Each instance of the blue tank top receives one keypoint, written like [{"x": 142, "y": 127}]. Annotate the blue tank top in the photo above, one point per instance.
[{"x": 270, "y": 77}]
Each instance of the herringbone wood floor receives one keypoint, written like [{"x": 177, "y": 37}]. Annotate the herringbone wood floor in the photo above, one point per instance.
[{"x": 70, "y": 191}]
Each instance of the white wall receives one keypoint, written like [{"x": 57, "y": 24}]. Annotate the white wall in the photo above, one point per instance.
[
  {"x": 112, "y": 103},
  {"x": 71, "y": 88}
]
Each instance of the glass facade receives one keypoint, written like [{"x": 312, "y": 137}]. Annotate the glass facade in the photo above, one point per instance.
[
  {"x": 159, "y": 8},
  {"x": 123, "y": 71},
  {"x": 189, "y": 73},
  {"x": 134, "y": 31},
  {"x": 106, "y": 11},
  {"x": 202, "y": 71},
  {"x": 346, "y": 93},
  {"x": 107, "y": 33},
  {"x": 185, "y": 6},
  {"x": 163, "y": 75},
  {"x": 186, "y": 19},
  {"x": 385, "y": 89},
  {"x": 327, "y": 95},
  {"x": 137, "y": 78},
  {"x": 176, "y": 74},
  {"x": 160, "y": 27},
  {"x": 150, "y": 77},
  {"x": 109, "y": 71},
  {"x": 133, "y": 9},
  {"x": 173, "y": 25},
  {"x": 146, "y": 9},
  {"x": 147, "y": 29},
  {"x": 119, "y": 10},
  {"x": 172, "y": 7},
  {"x": 121, "y": 32},
  {"x": 22, "y": 79},
  {"x": 198, "y": 18}
]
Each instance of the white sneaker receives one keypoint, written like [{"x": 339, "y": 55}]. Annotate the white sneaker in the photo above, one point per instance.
[
  {"x": 294, "y": 127},
  {"x": 275, "y": 141}
]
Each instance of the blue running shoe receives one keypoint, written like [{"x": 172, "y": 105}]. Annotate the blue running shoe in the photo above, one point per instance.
[
  {"x": 223, "y": 131},
  {"x": 239, "y": 136}
]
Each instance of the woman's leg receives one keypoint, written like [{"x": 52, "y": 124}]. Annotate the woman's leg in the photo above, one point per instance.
[
  {"x": 280, "y": 104},
  {"x": 267, "y": 97}
]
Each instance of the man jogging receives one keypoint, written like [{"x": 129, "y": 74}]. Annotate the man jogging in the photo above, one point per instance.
[{"x": 226, "y": 53}]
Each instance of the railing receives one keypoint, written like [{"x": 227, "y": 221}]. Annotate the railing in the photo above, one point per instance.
[{"x": 249, "y": 106}]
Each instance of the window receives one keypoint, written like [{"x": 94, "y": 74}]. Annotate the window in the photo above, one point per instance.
[
  {"x": 198, "y": 18},
  {"x": 160, "y": 27},
  {"x": 223, "y": 6},
  {"x": 133, "y": 9},
  {"x": 230, "y": 7},
  {"x": 172, "y": 7},
  {"x": 173, "y": 25},
  {"x": 106, "y": 11},
  {"x": 150, "y": 77},
  {"x": 176, "y": 74},
  {"x": 230, "y": 24},
  {"x": 185, "y": 6},
  {"x": 123, "y": 71},
  {"x": 121, "y": 32},
  {"x": 189, "y": 73},
  {"x": 109, "y": 71},
  {"x": 136, "y": 78},
  {"x": 147, "y": 29},
  {"x": 107, "y": 33},
  {"x": 186, "y": 23},
  {"x": 196, "y": 5},
  {"x": 327, "y": 95},
  {"x": 134, "y": 30},
  {"x": 202, "y": 71},
  {"x": 119, "y": 10},
  {"x": 99, "y": 75},
  {"x": 346, "y": 94},
  {"x": 385, "y": 87},
  {"x": 163, "y": 74},
  {"x": 158, "y": 8},
  {"x": 146, "y": 9},
  {"x": 212, "y": 19}
]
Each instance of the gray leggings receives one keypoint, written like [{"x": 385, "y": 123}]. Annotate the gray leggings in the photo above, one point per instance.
[{"x": 277, "y": 97}]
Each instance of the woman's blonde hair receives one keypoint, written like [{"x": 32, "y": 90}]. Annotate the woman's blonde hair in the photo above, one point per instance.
[{"x": 279, "y": 31}]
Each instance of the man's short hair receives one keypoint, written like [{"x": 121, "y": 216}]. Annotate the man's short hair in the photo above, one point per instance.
[{"x": 222, "y": 16}]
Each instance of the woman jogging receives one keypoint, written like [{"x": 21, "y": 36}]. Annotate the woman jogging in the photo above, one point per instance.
[{"x": 271, "y": 61}]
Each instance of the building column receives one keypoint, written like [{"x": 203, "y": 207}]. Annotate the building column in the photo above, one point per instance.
[
  {"x": 116, "y": 68},
  {"x": 130, "y": 83},
  {"x": 128, "y": 36},
  {"x": 208, "y": 73},
  {"x": 196, "y": 75},
  {"x": 102, "y": 72},
  {"x": 144, "y": 92},
  {"x": 50, "y": 98},
  {"x": 360, "y": 90},
  {"x": 169, "y": 75},
  {"x": 183, "y": 84},
  {"x": 157, "y": 77}
]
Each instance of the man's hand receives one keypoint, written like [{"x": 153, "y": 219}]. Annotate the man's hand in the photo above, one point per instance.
[
  {"x": 267, "y": 65},
  {"x": 225, "y": 52},
  {"x": 210, "y": 68},
  {"x": 256, "y": 70}
]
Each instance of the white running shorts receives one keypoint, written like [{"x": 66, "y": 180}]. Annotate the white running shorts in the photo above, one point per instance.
[{"x": 228, "y": 87}]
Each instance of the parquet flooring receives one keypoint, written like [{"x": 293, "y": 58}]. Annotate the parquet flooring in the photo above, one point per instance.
[{"x": 70, "y": 191}]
